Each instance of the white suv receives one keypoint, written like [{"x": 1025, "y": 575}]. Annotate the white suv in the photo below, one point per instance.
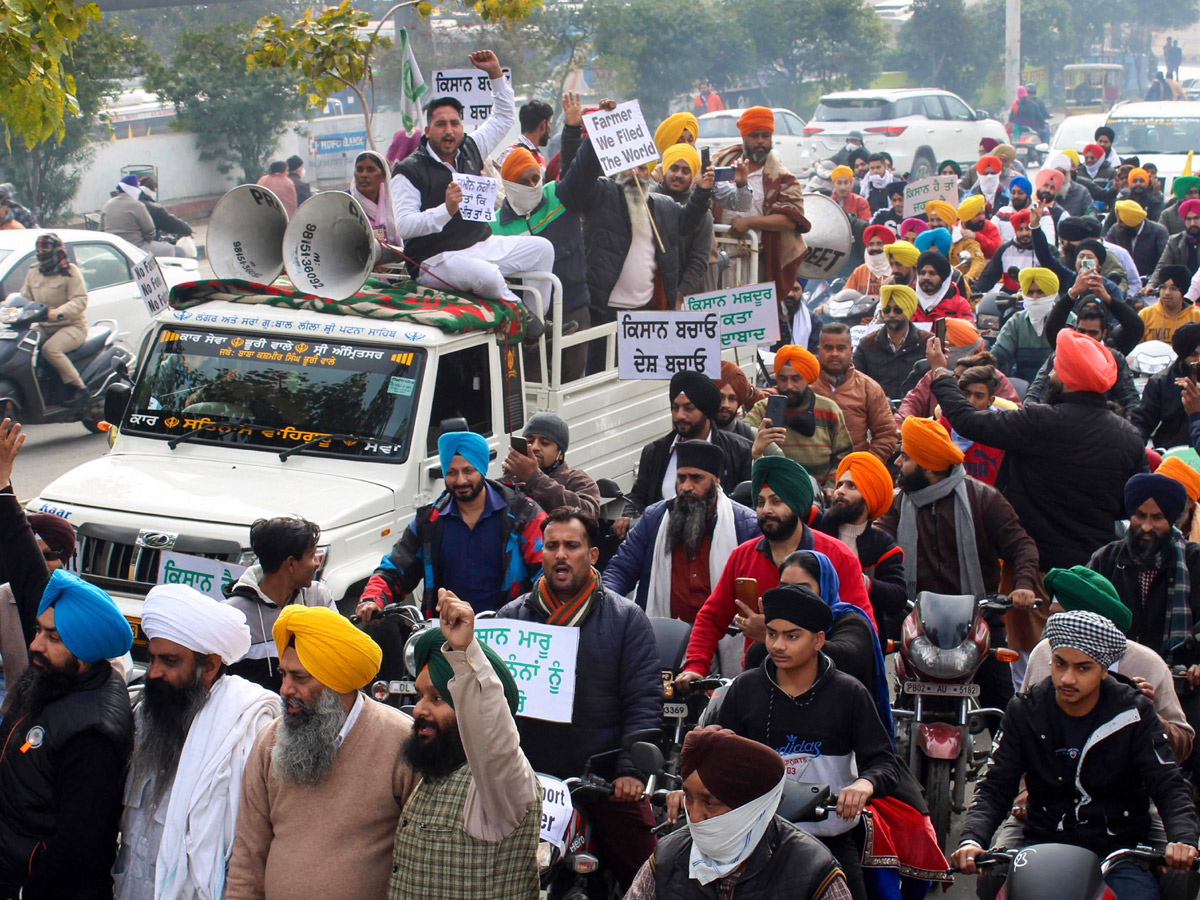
[{"x": 919, "y": 127}]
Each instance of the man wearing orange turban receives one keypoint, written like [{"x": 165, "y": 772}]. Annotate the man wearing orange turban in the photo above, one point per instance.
[
  {"x": 813, "y": 432},
  {"x": 863, "y": 494},
  {"x": 1075, "y": 449},
  {"x": 738, "y": 396},
  {"x": 1175, "y": 467}
]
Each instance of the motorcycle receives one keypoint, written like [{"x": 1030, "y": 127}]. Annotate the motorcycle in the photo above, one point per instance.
[
  {"x": 850, "y": 308},
  {"x": 993, "y": 310},
  {"x": 30, "y": 388},
  {"x": 1068, "y": 872},
  {"x": 568, "y": 866},
  {"x": 943, "y": 642},
  {"x": 396, "y": 630}
]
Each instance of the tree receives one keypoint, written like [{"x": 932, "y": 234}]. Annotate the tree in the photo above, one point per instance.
[
  {"x": 47, "y": 175},
  {"x": 37, "y": 91},
  {"x": 237, "y": 116},
  {"x": 937, "y": 46}
]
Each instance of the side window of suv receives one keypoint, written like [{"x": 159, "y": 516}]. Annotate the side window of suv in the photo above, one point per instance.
[
  {"x": 958, "y": 110},
  {"x": 932, "y": 108},
  {"x": 463, "y": 389},
  {"x": 905, "y": 106}
]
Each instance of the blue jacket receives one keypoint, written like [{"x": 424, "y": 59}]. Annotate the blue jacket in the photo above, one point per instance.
[
  {"x": 635, "y": 558},
  {"x": 618, "y": 688}
]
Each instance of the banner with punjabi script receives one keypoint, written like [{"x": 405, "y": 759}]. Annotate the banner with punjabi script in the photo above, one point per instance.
[
  {"x": 658, "y": 344},
  {"x": 208, "y": 576},
  {"x": 470, "y": 87},
  {"x": 939, "y": 187},
  {"x": 749, "y": 315},
  {"x": 542, "y": 660}
]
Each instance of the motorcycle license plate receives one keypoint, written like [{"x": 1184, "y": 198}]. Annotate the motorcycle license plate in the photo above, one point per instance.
[
  {"x": 139, "y": 636},
  {"x": 675, "y": 710},
  {"x": 402, "y": 687},
  {"x": 949, "y": 690},
  {"x": 9, "y": 335}
]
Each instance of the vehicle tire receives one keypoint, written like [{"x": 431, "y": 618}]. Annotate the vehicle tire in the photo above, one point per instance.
[
  {"x": 938, "y": 773},
  {"x": 923, "y": 167}
]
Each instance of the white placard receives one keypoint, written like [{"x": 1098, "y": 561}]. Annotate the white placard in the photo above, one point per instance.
[
  {"x": 479, "y": 197},
  {"x": 150, "y": 281},
  {"x": 749, "y": 315},
  {"x": 939, "y": 187},
  {"x": 658, "y": 344},
  {"x": 208, "y": 576},
  {"x": 542, "y": 660},
  {"x": 556, "y": 810},
  {"x": 470, "y": 87},
  {"x": 621, "y": 138}
]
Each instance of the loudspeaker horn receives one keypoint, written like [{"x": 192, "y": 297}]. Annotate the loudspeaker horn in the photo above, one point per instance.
[
  {"x": 330, "y": 249},
  {"x": 245, "y": 235},
  {"x": 829, "y": 240}
]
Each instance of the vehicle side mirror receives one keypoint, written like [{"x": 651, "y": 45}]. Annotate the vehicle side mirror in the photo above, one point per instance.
[
  {"x": 651, "y": 735},
  {"x": 116, "y": 401},
  {"x": 609, "y": 489},
  {"x": 121, "y": 368},
  {"x": 647, "y": 758},
  {"x": 981, "y": 114}
]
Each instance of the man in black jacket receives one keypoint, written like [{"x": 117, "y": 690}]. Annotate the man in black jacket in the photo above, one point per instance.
[
  {"x": 1143, "y": 237},
  {"x": 1093, "y": 754},
  {"x": 695, "y": 402},
  {"x": 618, "y": 687},
  {"x": 65, "y": 742},
  {"x": 889, "y": 354},
  {"x": 1160, "y": 417},
  {"x": 681, "y": 176}
]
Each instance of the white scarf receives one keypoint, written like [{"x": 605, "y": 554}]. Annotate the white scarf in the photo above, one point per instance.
[
  {"x": 1038, "y": 309},
  {"x": 989, "y": 183},
  {"x": 724, "y": 842},
  {"x": 130, "y": 190},
  {"x": 879, "y": 265},
  {"x": 379, "y": 212},
  {"x": 801, "y": 324},
  {"x": 1094, "y": 167},
  {"x": 522, "y": 198},
  {"x": 724, "y": 541},
  {"x": 197, "y": 837},
  {"x": 875, "y": 181},
  {"x": 929, "y": 301}
]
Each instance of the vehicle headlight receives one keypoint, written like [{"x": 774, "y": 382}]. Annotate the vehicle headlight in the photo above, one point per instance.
[
  {"x": 938, "y": 663},
  {"x": 410, "y": 652},
  {"x": 321, "y": 556}
]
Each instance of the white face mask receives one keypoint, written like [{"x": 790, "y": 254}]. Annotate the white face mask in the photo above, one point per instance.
[
  {"x": 989, "y": 183},
  {"x": 521, "y": 198},
  {"x": 724, "y": 842},
  {"x": 1038, "y": 309}
]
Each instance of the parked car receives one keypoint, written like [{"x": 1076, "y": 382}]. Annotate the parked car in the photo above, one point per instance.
[
  {"x": 919, "y": 127},
  {"x": 1075, "y": 133},
  {"x": 106, "y": 262},
  {"x": 1157, "y": 132},
  {"x": 719, "y": 130}
]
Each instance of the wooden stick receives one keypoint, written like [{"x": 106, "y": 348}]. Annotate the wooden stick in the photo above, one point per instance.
[{"x": 645, "y": 203}]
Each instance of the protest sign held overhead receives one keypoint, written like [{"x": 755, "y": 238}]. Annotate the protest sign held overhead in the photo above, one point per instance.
[
  {"x": 621, "y": 137},
  {"x": 659, "y": 344},
  {"x": 939, "y": 187},
  {"x": 748, "y": 315},
  {"x": 470, "y": 87},
  {"x": 541, "y": 659}
]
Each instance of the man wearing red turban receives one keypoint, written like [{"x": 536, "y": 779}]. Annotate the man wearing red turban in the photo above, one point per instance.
[{"x": 869, "y": 277}]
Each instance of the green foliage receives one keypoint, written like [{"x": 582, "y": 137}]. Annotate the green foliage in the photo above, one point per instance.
[
  {"x": 237, "y": 116},
  {"x": 505, "y": 11},
  {"x": 47, "y": 175},
  {"x": 37, "y": 90}
]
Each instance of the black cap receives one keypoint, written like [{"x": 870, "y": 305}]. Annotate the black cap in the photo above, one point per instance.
[{"x": 294, "y": 163}]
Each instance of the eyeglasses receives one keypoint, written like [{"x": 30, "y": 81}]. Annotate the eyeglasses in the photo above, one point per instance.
[{"x": 888, "y": 309}]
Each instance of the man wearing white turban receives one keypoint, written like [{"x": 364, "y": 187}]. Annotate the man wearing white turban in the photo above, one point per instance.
[{"x": 195, "y": 727}]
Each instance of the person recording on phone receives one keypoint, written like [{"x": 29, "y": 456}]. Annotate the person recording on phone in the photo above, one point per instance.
[
  {"x": 1080, "y": 276},
  {"x": 1160, "y": 417}
]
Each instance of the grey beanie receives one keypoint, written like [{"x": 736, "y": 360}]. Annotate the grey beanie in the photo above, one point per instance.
[{"x": 549, "y": 425}]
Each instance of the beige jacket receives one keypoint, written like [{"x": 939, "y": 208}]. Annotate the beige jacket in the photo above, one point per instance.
[
  {"x": 128, "y": 218},
  {"x": 66, "y": 295}
]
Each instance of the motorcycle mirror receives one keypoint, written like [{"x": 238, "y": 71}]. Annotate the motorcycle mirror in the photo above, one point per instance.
[
  {"x": 800, "y": 800},
  {"x": 652, "y": 735},
  {"x": 609, "y": 489},
  {"x": 646, "y": 757}
]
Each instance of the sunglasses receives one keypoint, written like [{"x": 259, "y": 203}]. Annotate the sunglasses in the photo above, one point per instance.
[{"x": 888, "y": 309}]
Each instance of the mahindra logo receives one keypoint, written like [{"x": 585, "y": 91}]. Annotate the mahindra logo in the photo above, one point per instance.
[{"x": 156, "y": 540}]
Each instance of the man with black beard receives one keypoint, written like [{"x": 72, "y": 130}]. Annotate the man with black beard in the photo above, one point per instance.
[
  {"x": 65, "y": 742},
  {"x": 1183, "y": 248},
  {"x": 195, "y": 727},
  {"x": 675, "y": 552},
  {"x": 477, "y": 809},
  {"x": 329, "y": 773}
]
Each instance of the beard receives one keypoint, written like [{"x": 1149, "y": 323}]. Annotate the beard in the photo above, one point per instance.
[
  {"x": 1020, "y": 204},
  {"x": 1145, "y": 549},
  {"x": 304, "y": 750},
  {"x": 795, "y": 399},
  {"x": 688, "y": 431},
  {"x": 1024, "y": 242},
  {"x": 895, "y": 325},
  {"x": 163, "y": 719},
  {"x": 467, "y": 494},
  {"x": 1192, "y": 232},
  {"x": 846, "y": 513},
  {"x": 1054, "y": 392},
  {"x": 758, "y": 157},
  {"x": 917, "y": 481},
  {"x": 776, "y": 529},
  {"x": 39, "y": 687},
  {"x": 436, "y": 757},
  {"x": 688, "y": 524},
  {"x": 725, "y": 417}
]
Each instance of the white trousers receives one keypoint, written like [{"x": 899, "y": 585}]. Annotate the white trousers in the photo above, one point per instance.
[{"x": 480, "y": 268}]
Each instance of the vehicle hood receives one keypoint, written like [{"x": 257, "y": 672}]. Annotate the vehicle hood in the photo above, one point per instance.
[{"x": 212, "y": 491}]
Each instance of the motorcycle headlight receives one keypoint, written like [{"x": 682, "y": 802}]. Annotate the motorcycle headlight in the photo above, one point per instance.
[
  {"x": 989, "y": 323},
  {"x": 943, "y": 664}
]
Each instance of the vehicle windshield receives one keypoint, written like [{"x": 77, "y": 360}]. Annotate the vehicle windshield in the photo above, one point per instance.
[
  {"x": 720, "y": 127},
  {"x": 947, "y": 618},
  {"x": 4, "y": 254},
  {"x": 271, "y": 392},
  {"x": 1074, "y": 135},
  {"x": 852, "y": 109},
  {"x": 1154, "y": 135}
]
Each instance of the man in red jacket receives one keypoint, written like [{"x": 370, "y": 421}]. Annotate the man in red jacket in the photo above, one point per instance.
[{"x": 783, "y": 495}]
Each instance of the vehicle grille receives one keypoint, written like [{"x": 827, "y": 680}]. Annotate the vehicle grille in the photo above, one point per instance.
[{"x": 113, "y": 558}]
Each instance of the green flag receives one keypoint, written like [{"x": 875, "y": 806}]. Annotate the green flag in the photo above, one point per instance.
[{"x": 412, "y": 84}]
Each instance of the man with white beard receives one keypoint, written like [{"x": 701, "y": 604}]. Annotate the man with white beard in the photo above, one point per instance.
[
  {"x": 195, "y": 727},
  {"x": 329, "y": 773}
]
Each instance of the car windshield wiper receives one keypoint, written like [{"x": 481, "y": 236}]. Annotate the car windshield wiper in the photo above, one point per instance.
[
  {"x": 300, "y": 448},
  {"x": 186, "y": 436}
]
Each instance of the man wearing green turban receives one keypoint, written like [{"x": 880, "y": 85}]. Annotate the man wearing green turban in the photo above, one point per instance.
[
  {"x": 783, "y": 497},
  {"x": 476, "y": 812},
  {"x": 1184, "y": 187}
]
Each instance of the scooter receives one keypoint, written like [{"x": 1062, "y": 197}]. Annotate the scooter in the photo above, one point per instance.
[
  {"x": 30, "y": 389},
  {"x": 943, "y": 642},
  {"x": 1068, "y": 872}
]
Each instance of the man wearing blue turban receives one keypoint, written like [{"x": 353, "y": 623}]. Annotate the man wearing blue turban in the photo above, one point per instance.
[
  {"x": 481, "y": 539},
  {"x": 65, "y": 741}
]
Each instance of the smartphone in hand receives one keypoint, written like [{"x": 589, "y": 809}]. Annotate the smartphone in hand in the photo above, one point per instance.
[
  {"x": 939, "y": 330},
  {"x": 705, "y": 160},
  {"x": 519, "y": 444},
  {"x": 746, "y": 590},
  {"x": 776, "y": 409}
]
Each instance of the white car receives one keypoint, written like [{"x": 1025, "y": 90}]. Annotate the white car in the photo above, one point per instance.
[
  {"x": 1075, "y": 133},
  {"x": 919, "y": 127},
  {"x": 719, "y": 130},
  {"x": 106, "y": 262},
  {"x": 1161, "y": 133}
]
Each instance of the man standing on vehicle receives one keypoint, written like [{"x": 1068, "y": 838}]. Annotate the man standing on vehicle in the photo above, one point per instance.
[
  {"x": 444, "y": 249},
  {"x": 864, "y": 405},
  {"x": 65, "y": 742},
  {"x": 476, "y": 810},
  {"x": 888, "y": 354},
  {"x": 1093, "y": 754},
  {"x": 195, "y": 727},
  {"x": 481, "y": 539},
  {"x": 1104, "y": 136},
  {"x": 286, "y": 549},
  {"x": 543, "y": 473},
  {"x": 127, "y": 217},
  {"x": 618, "y": 687},
  {"x": 535, "y": 118}
]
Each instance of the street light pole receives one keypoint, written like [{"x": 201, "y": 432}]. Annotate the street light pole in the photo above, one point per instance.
[{"x": 1012, "y": 48}]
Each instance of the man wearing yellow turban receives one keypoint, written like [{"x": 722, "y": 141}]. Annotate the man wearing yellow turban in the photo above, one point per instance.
[
  {"x": 973, "y": 214},
  {"x": 813, "y": 432},
  {"x": 681, "y": 128},
  {"x": 853, "y": 204},
  {"x": 889, "y": 354},
  {"x": 331, "y": 766},
  {"x": 1137, "y": 232},
  {"x": 1022, "y": 346}
]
